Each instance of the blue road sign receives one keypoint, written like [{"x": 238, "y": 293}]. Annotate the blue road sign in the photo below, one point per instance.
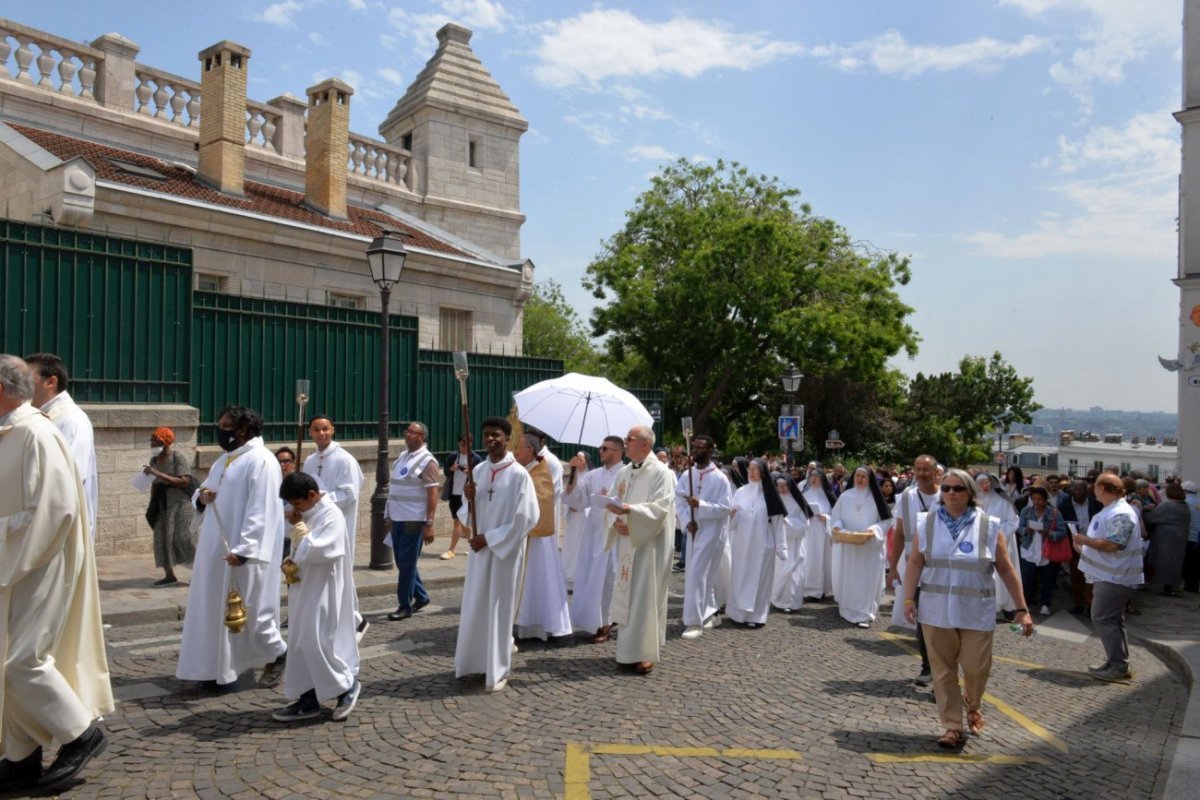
[{"x": 789, "y": 427}]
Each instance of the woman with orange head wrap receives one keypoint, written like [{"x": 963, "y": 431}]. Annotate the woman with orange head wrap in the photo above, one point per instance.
[{"x": 170, "y": 510}]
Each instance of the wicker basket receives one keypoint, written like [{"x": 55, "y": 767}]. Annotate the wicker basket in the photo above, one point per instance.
[{"x": 849, "y": 537}]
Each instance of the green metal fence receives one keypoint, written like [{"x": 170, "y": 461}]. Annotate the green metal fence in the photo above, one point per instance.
[
  {"x": 115, "y": 310},
  {"x": 250, "y": 352}
]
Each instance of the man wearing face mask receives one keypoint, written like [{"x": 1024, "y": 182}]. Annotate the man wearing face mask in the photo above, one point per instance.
[
  {"x": 240, "y": 546},
  {"x": 324, "y": 651}
]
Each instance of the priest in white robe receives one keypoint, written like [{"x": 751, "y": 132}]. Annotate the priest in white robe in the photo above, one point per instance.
[
  {"x": 574, "y": 517},
  {"x": 55, "y": 680},
  {"x": 703, "y": 500},
  {"x": 643, "y": 525},
  {"x": 595, "y": 568},
  {"x": 50, "y": 381},
  {"x": 506, "y": 510},
  {"x": 818, "y": 545},
  {"x": 757, "y": 541},
  {"x": 542, "y": 610},
  {"x": 240, "y": 546},
  {"x": 341, "y": 478},
  {"x": 322, "y": 648},
  {"x": 788, "y": 592},
  {"x": 858, "y": 566}
]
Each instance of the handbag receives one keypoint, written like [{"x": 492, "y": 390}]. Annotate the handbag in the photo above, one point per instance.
[{"x": 1056, "y": 552}]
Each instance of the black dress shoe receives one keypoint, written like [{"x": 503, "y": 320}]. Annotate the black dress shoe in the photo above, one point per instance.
[
  {"x": 418, "y": 605},
  {"x": 399, "y": 614},
  {"x": 23, "y": 775},
  {"x": 73, "y": 757}
]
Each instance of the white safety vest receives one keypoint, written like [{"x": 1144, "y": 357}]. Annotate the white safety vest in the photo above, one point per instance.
[
  {"x": 1123, "y": 567},
  {"x": 957, "y": 589},
  {"x": 407, "y": 493}
]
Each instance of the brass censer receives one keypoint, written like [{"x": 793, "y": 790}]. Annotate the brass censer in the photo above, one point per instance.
[
  {"x": 235, "y": 612},
  {"x": 291, "y": 572}
]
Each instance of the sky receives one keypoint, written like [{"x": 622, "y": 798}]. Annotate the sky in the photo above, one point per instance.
[{"x": 1022, "y": 153}]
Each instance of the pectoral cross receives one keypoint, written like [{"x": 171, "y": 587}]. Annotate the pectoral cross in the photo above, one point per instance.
[
  {"x": 319, "y": 468},
  {"x": 491, "y": 491}
]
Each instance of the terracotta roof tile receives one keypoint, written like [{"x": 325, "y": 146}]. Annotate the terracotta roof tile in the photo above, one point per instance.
[{"x": 260, "y": 198}]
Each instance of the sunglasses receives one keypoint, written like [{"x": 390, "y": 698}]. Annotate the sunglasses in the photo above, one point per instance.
[{"x": 946, "y": 487}]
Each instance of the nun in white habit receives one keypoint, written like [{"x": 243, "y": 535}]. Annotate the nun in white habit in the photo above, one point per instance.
[
  {"x": 818, "y": 546},
  {"x": 858, "y": 567},
  {"x": 788, "y": 594},
  {"x": 999, "y": 505},
  {"x": 756, "y": 540}
]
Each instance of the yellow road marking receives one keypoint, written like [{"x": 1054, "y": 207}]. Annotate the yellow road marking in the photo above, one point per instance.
[
  {"x": 578, "y": 770},
  {"x": 953, "y": 758},
  {"x": 577, "y": 774},
  {"x": 1004, "y": 708}
]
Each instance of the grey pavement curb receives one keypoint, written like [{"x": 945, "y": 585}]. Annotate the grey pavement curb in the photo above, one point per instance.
[
  {"x": 158, "y": 612},
  {"x": 1184, "y": 773}
]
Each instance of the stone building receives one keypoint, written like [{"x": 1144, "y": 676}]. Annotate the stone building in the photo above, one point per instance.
[{"x": 270, "y": 201}]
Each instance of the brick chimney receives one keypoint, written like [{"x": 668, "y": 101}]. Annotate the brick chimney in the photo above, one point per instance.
[
  {"x": 326, "y": 147},
  {"x": 223, "y": 116}
]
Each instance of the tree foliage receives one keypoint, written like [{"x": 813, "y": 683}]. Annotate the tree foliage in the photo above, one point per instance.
[
  {"x": 720, "y": 279},
  {"x": 952, "y": 415},
  {"x": 553, "y": 329}
]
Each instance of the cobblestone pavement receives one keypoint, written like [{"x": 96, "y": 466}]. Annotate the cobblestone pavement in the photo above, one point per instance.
[{"x": 807, "y": 707}]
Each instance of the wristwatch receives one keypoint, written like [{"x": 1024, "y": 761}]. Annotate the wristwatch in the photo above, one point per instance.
[{"x": 428, "y": 522}]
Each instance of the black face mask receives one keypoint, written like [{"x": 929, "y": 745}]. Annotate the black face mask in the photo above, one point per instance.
[{"x": 227, "y": 440}]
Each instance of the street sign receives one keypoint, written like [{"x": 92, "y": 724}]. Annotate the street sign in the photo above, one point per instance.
[
  {"x": 786, "y": 410},
  {"x": 797, "y": 444},
  {"x": 1001, "y": 458},
  {"x": 789, "y": 428},
  {"x": 834, "y": 444}
]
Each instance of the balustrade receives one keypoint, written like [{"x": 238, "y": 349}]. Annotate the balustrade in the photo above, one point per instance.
[
  {"x": 379, "y": 161},
  {"x": 262, "y": 125},
  {"x": 48, "y": 62},
  {"x": 168, "y": 97}
]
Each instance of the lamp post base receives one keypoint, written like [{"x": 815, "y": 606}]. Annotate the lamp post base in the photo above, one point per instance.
[{"x": 381, "y": 552}]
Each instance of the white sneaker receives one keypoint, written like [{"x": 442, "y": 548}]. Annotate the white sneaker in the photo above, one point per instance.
[
  {"x": 499, "y": 685},
  {"x": 1044, "y": 611},
  {"x": 692, "y": 632},
  {"x": 712, "y": 622}
]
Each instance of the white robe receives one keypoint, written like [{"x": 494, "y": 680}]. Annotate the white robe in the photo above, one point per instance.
[
  {"x": 858, "y": 568},
  {"x": 248, "y": 518},
  {"x": 543, "y": 610},
  {"x": 788, "y": 591},
  {"x": 76, "y": 428},
  {"x": 1002, "y": 510},
  {"x": 643, "y": 559},
  {"x": 705, "y": 550},
  {"x": 818, "y": 546},
  {"x": 340, "y": 477},
  {"x": 574, "y": 525},
  {"x": 489, "y": 594},
  {"x": 55, "y": 680},
  {"x": 756, "y": 541},
  {"x": 595, "y": 568},
  {"x": 322, "y": 648}
]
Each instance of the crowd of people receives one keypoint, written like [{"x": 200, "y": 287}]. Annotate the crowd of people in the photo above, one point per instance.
[{"x": 556, "y": 550}]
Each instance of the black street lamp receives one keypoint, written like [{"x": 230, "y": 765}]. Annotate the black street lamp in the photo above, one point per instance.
[
  {"x": 386, "y": 255},
  {"x": 999, "y": 442},
  {"x": 790, "y": 378}
]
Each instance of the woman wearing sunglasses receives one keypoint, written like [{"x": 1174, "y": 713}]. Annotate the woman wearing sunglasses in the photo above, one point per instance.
[{"x": 956, "y": 551}]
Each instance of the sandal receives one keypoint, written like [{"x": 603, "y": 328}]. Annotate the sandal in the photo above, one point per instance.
[
  {"x": 975, "y": 722},
  {"x": 952, "y": 739}
]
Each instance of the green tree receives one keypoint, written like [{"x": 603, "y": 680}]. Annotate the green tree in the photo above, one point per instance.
[
  {"x": 720, "y": 278},
  {"x": 553, "y": 329},
  {"x": 951, "y": 415}
]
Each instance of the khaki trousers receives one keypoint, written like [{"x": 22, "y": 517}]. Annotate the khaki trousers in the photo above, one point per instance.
[{"x": 949, "y": 650}]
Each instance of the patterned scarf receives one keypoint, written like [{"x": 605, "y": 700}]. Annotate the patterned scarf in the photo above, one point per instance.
[{"x": 956, "y": 526}]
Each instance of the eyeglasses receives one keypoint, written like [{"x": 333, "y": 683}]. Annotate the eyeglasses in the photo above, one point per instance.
[
  {"x": 946, "y": 487},
  {"x": 286, "y": 461}
]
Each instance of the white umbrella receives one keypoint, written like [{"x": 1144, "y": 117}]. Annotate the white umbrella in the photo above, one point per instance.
[{"x": 580, "y": 409}]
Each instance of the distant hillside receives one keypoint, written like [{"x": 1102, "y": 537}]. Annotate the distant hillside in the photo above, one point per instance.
[{"x": 1049, "y": 421}]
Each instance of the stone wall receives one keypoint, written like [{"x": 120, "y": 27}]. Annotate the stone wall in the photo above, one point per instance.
[{"x": 123, "y": 448}]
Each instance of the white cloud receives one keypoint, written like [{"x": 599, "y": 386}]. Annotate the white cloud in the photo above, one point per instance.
[
  {"x": 649, "y": 152},
  {"x": 603, "y": 44},
  {"x": 390, "y": 75},
  {"x": 357, "y": 5},
  {"x": 478, "y": 15},
  {"x": 1118, "y": 191},
  {"x": 1117, "y": 32},
  {"x": 891, "y": 54},
  {"x": 282, "y": 13},
  {"x": 316, "y": 38},
  {"x": 595, "y": 125}
]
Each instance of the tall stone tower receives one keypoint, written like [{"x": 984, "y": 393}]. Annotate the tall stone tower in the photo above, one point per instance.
[
  {"x": 464, "y": 134},
  {"x": 1189, "y": 248}
]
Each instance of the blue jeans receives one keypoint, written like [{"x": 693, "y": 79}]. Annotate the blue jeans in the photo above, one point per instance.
[
  {"x": 1032, "y": 575},
  {"x": 407, "y": 541}
]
